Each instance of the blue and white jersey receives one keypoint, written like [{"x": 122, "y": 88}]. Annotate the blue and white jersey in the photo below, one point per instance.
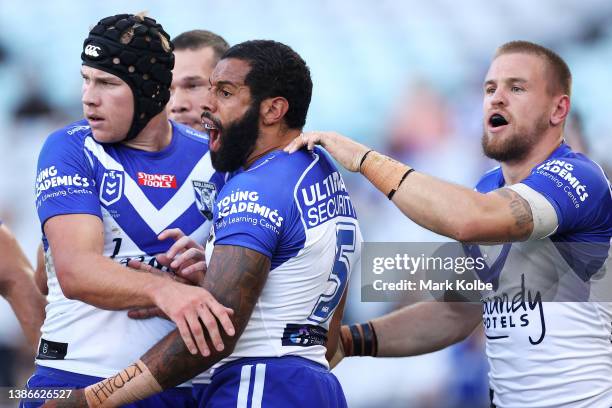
[
  {"x": 295, "y": 210},
  {"x": 548, "y": 321},
  {"x": 137, "y": 195}
]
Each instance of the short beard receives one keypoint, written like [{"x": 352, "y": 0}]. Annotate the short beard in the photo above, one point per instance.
[
  {"x": 237, "y": 141},
  {"x": 516, "y": 146}
]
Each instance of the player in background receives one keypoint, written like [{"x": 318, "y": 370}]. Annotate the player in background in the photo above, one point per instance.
[
  {"x": 548, "y": 320},
  {"x": 196, "y": 53},
  {"x": 107, "y": 186},
  {"x": 285, "y": 240},
  {"x": 17, "y": 286}
]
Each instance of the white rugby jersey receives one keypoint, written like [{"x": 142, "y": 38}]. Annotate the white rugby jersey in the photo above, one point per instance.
[
  {"x": 294, "y": 209},
  {"x": 548, "y": 321},
  {"x": 137, "y": 195}
]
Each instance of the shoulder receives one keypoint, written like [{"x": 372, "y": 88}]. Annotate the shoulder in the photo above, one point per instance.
[
  {"x": 73, "y": 134},
  {"x": 490, "y": 180},
  {"x": 577, "y": 188},
  {"x": 67, "y": 141},
  {"x": 577, "y": 173},
  {"x": 190, "y": 134},
  {"x": 272, "y": 179},
  {"x": 280, "y": 170}
]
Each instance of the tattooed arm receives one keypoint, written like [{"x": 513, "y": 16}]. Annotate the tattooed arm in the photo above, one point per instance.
[
  {"x": 444, "y": 208},
  {"x": 235, "y": 277},
  {"x": 463, "y": 214}
]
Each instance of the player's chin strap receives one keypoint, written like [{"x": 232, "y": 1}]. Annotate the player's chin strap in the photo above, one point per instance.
[
  {"x": 359, "y": 340},
  {"x": 385, "y": 173}
]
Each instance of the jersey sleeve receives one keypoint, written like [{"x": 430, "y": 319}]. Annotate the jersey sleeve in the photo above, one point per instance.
[
  {"x": 253, "y": 212},
  {"x": 64, "y": 182},
  {"x": 574, "y": 188}
]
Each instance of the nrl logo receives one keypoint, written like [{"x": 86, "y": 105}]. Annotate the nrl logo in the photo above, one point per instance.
[
  {"x": 205, "y": 193},
  {"x": 111, "y": 188}
]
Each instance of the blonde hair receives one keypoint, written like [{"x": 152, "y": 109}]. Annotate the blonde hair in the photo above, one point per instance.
[{"x": 560, "y": 79}]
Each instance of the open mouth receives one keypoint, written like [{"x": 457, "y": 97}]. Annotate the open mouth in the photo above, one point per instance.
[
  {"x": 213, "y": 130},
  {"x": 497, "y": 120}
]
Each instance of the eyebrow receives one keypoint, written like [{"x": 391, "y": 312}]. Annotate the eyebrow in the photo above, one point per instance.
[
  {"x": 507, "y": 80},
  {"x": 101, "y": 77},
  {"x": 223, "y": 83},
  {"x": 193, "y": 78}
]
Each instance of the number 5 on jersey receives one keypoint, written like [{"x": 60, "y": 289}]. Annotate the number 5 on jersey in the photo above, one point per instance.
[{"x": 338, "y": 277}]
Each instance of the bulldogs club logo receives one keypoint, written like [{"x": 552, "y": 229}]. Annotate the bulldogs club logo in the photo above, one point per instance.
[
  {"x": 205, "y": 193},
  {"x": 111, "y": 189}
]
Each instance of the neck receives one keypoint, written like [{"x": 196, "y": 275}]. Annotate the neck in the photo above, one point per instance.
[
  {"x": 271, "y": 141},
  {"x": 517, "y": 170},
  {"x": 156, "y": 136}
]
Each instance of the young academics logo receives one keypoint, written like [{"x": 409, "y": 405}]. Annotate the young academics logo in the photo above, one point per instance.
[
  {"x": 111, "y": 189},
  {"x": 206, "y": 193}
]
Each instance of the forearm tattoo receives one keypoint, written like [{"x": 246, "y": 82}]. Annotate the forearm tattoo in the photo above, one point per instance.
[{"x": 235, "y": 277}]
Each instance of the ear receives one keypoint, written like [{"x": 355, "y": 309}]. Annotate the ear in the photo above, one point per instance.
[
  {"x": 560, "y": 110},
  {"x": 273, "y": 110}
]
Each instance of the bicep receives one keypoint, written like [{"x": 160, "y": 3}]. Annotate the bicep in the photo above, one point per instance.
[
  {"x": 544, "y": 216},
  {"x": 236, "y": 277},
  {"x": 519, "y": 213},
  {"x": 505, "y": 216},
  {"x": 72, "y": 237}
]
